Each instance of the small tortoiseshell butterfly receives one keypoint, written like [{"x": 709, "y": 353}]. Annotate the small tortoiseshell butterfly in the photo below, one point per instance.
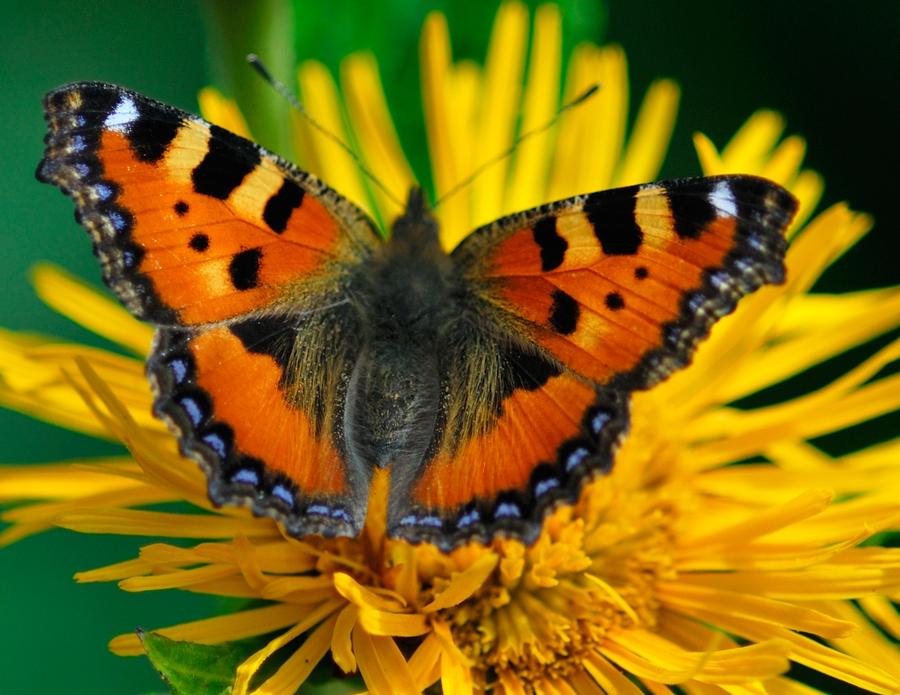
[{"x": 296, "y": 350}]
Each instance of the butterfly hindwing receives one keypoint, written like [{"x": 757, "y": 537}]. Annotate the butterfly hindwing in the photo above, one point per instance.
[
  {"x": 259, "y": 404},
  {"x": 620, "y": 285},
  {"x": 193, "y": 224}
]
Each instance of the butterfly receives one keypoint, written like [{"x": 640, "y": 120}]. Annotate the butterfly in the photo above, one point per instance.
[{"x": 296, "y": 351}]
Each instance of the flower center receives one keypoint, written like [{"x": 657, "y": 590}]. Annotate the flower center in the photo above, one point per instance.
[{"x": 592, "y": 572}]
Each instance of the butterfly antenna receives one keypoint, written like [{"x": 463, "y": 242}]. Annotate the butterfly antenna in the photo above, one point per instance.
[
  {"x": 280, "y": 87},
  {"x": 580, "y": 99}
]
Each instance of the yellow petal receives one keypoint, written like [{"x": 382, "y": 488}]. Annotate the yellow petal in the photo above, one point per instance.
[
  {"x": 685, "y": 597},
  {"x": 335, "y": 164},
  {"x": 463, "y": 584},
  {"x": 528, "y": 179},
  {"x": 456, "y": 674},
  {"x": 374, "y": 130},
  {"x": 500, "y": 93},
  {"x": 304, "y": 618},
  {"x": 341, "y": 646},
  {"x": 650, "y": 137},
  {"x": 85, "y": 305},
  {"x": 296, "y": 669},
  {"x": 223, "y": 628},
  {"x": 381, "y": 665},
  {"x": 218, "y": 109}
]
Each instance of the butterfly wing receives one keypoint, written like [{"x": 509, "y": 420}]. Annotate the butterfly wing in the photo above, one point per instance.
[
  {"x": 587, "y": 299},
  {"x": 193, "y": 224},
  {"x": 621, "y": 285},
  {"x": 240, "y": 259}
]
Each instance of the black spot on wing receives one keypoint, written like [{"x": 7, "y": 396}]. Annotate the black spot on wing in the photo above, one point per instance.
[
  {"x": 280, "y": 206},
  {"x": 641, "y": 272},
  {"x": 564, "y": 313},
  {"x": 150, "y": 135},
  {"x": 691, "y": 208},
  {"x": 614, "y": 301},
  {"x": 181, "y": 208},
  {"x": 244, "y": 269},
  {"x": 611, "y": 214},
  {"x": 199, "y": 242},
  {"x": 553, "y": 246},
  {"x": 229, "y": 159}
]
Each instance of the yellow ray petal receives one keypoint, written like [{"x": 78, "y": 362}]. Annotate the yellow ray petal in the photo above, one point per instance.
[
  {"x": 456, "y": 674},
  {"x": 133, "y": 522},
  {"x": 305, "y": 619},
  {"x": 752, "y": 143},
  {"x": 424, "y": 665},
  {"x": 649, "y": 140},
  {"x": 374, "y": 130},
  {"x": 222, "y": 628},
  {"x": 500, "y": 94},
  {"x": 335, "y": 165},
  {"x": 810, "y": 653},
  {"x": 528, "y": 179},
  {"x": 609, "y": 677},
  {"x": 341, "y": 645},
  {"x": 686, "y": 597},
  {"x": 435, "y": 61},
  {"x": 218, "y": 109},
  {"x": 178, "y": 579},
  {"x": 296, "y": 669},
  {"x": 463, "y": 584},
  {"x": 71, "y": 297},
  {"x": 650, "y": 656},
  {"x": 381, "y": 664}
]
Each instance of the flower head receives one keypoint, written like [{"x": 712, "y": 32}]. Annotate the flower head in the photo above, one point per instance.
[{"x": 723, "y": 545}]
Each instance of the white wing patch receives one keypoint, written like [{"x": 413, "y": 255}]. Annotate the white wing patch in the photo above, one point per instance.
[
  {"x": 723, "y": 199},
  {"x": 122, "y": 116}
]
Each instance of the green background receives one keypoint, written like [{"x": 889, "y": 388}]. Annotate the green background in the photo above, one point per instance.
[{"x": 829, "y": 67}]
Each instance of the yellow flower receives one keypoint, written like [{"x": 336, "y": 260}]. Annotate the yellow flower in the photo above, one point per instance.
[{"x": 679, "y": 568}]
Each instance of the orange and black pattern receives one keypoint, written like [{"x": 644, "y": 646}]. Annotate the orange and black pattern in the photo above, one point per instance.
[{"x": 296, "y": 351}]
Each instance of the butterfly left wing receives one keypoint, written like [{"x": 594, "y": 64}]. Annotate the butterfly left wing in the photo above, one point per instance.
[
  {"x": 577, "y": 303},
  {"x": 241, "y": 260},
  {"x": 193, "y": 224}
]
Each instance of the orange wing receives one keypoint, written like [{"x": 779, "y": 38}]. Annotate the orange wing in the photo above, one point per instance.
[
  {"x": 259, "y": 405},
  {"x": 241, "y": 260},
  {"x": 620, "y": 285},
  {"x": 587, "y": 299},
  {"x": 193, "y": 224},
  {"x": 546, "y": 433}
]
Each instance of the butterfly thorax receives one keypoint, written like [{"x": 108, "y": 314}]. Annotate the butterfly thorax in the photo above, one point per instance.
[{"x": 404, "y": 297}]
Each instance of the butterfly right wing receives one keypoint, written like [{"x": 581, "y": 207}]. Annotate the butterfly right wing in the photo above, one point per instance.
[{"x": 573, "y": 305}]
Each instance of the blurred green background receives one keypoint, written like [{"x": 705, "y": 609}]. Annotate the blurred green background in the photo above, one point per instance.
[{"x": 829, "y": 67}]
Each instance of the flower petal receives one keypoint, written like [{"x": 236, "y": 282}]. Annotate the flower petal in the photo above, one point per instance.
[{"x": 381, "y": 664}]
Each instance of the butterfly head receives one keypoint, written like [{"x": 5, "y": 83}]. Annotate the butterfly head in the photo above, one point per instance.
[{"x": 415, "y": 232}]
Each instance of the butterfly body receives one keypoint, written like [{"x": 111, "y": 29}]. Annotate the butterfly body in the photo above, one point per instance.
[{"x": 297, "y": 352}]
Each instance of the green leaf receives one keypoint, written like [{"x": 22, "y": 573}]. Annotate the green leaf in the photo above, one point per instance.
[{"x": 195, "y": 669}]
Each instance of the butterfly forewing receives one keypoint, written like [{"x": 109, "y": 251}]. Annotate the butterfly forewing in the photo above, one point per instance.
[{"x": 620, "y": 285}]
